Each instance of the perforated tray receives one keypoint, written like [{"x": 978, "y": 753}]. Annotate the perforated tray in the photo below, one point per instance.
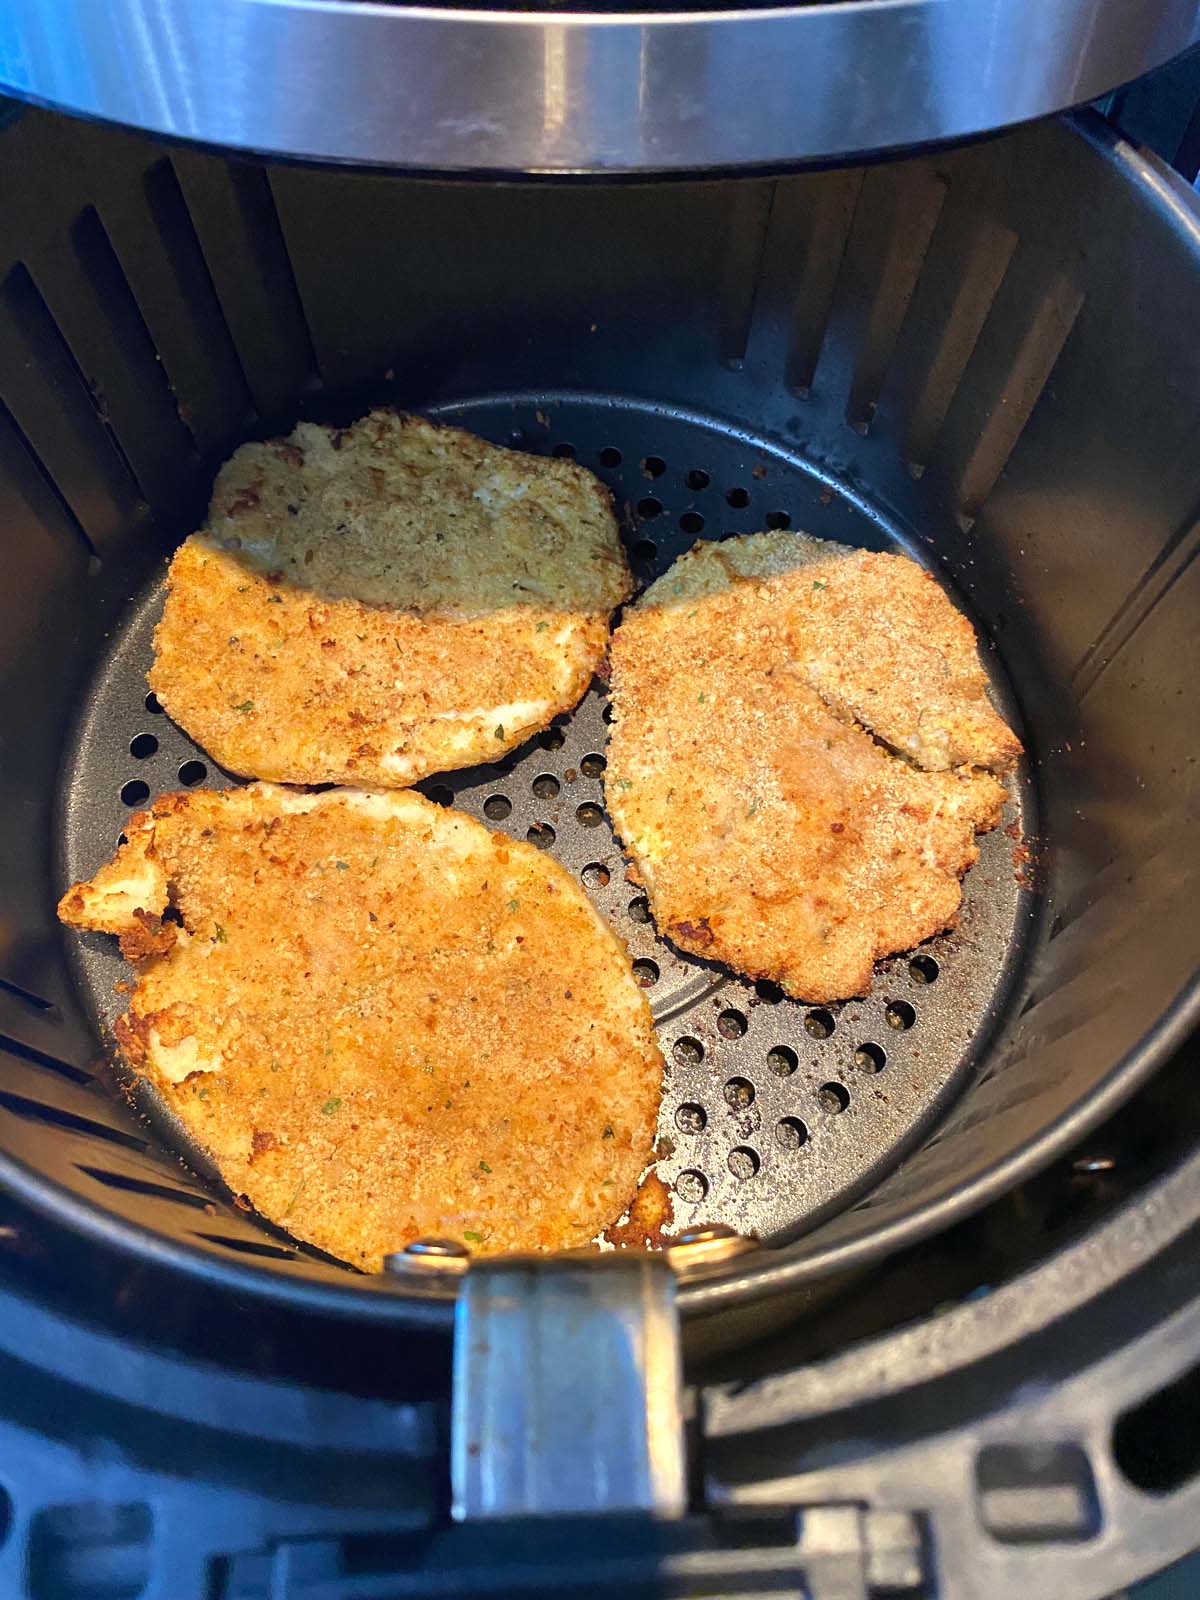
[{"x": 775, "y": 1113}]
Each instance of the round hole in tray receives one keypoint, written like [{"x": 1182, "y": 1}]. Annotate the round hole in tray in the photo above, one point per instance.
[
  {"x": 819, "y": 1024},
  {"x": 192, "y": 773},
  {"x": 790, "y": 1133},
  {"x": 691, "y": 1117},
  {"x": 739, "y": 1093},
  {"x": 782, "y": 1060},
  {"x": 743, "y": 1162},
  {"x": 900, "y": 1015},
  {"x": 691, "y": 1186},
  {"x": 870, "y": 1058},
  {"x": 833, "y": 1098}
]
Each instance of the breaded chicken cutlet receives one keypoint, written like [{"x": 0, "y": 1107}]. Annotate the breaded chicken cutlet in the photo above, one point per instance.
[
  {"x": 373, "y": 604},
  {"x": 802, "y": 753},
  {"x": 381, "y": 1020}
]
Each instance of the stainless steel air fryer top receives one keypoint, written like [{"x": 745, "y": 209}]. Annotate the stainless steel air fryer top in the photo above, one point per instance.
[{"x": 606, "y": 86}]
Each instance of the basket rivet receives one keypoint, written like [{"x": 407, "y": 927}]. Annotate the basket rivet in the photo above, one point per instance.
[
  {"x": 704, "y": 1233},
  {"x": 706, "y": 1245},
  {"x": 421, "y": 1253},
  {"x": 1091, "y": 1165}
]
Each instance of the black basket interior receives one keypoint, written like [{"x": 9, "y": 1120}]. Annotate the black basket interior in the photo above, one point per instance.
[{"x": 988, "y": 355}]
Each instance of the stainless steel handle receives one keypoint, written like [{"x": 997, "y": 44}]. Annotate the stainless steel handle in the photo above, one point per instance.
[{"x": 567, "y": 1388}]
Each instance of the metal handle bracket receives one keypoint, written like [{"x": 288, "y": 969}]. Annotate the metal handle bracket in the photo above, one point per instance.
[{"x": 567, "y": 1389}]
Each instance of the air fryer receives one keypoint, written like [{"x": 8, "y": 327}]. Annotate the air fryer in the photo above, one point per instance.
[{"x": 984, "y": 355}]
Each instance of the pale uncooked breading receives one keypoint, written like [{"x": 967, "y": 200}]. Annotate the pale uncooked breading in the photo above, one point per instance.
[
  {"x": 376, "y": 603},
  {"x": 381, "y": 1020},
  {"x": 761, "y": 689}
]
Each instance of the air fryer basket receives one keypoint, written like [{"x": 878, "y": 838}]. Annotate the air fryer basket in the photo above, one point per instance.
[{"x": 987, "y": 356}]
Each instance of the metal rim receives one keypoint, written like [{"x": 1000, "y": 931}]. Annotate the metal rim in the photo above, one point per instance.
[
  {"x": 1172, "y": 1029},
  {"x": 443, "y": 90},
  {"x": 394, "y": 1302}
]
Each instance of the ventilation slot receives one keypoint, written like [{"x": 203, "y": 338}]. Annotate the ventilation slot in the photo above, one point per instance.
[
  {"x": 43, "y": 1058},
  {"x": 152, "y": 1191},
  {"x": 51, "y": 404},
  {"x": 951, "y": 305},
  {"x": 41, "y": 528},
  {"x": 1036, "y": 1494},
  {"x": 38, "y": 1111},
  {"x": 1157, "y": 1443},
  {"x": 91, "y": 1550},
  {"x": 103, "y": 325},
  {"x": 1004, "y": 380},
  {"x": 155, "y": 240},
  {"x": 26, "y": 996},
  {"x": 743, "y": 259},
  {"x": 36, "y": 1031},
  {"x": 1167, "y": 568},
  {"x": 893, "y": 226},
  {"x": 249, "y": 1247},
  {"x": 237, "y": 225},
  {"x": 817, "y": 239}
]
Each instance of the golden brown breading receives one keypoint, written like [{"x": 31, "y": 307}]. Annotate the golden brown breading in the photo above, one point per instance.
[
  {"x": 650, "y": 1214},
  {"x": 376, "y": 603},
  {"x": 876, "y": 638},
  {"x": 381, "y": 1020},
  {"x": 772, "y": 831}
]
